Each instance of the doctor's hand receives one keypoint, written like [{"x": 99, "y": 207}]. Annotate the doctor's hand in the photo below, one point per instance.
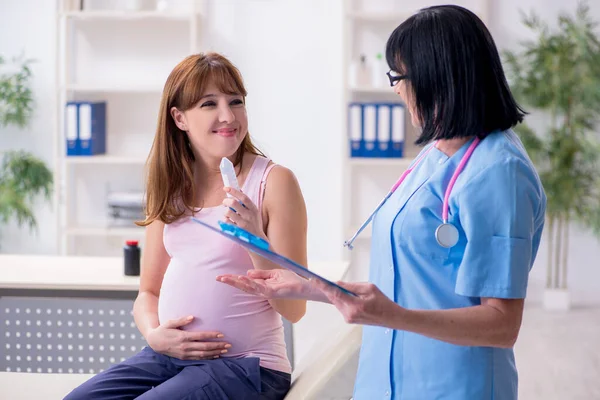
[
  {"x": 169, "y": 339},
  {"x": 269, "y": 284},
  {"x": 242, "y": 212},
  {"x": 370, "y": 307}
]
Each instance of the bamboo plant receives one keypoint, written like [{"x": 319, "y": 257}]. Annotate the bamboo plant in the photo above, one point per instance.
[
  {"x": 23, "y": 177},
  {"x": 558, "y": 75}
]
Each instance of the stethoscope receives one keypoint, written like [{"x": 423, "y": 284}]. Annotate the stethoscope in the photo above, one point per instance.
[{"x": 446, "y": 234}]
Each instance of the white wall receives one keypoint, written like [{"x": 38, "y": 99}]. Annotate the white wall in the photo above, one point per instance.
[
  {"x": 290, "y": 54},
  {"x": 27, "y": 26}
]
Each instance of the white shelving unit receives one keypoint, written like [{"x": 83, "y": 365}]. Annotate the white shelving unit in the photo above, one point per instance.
[
  {"x": 122, "y": 57},
  {"x": 135, "y": 233},
  {"x": 125, "y": 15},
  {"x": 368, "y": 89},
  {"x": 366, "y": 180},
  {"x": 367, "y": 26},
  {"x": 105, "y": 159},
  {"x": 116, "y": 89},
  {"x": 377, "y": 16},
  {"x": 401, "y": 163}
]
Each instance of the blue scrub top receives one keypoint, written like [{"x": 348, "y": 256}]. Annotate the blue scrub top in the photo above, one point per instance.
[{"x": 498, "y": 205}]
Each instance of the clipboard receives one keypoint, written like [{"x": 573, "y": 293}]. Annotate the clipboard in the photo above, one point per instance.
[{"x": 261, "y": 247}]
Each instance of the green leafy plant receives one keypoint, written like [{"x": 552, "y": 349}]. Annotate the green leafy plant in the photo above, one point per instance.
[
  {"x": 16, "y": 97},
  {"x": 558, "y": 74},
  {"x": 23, "y": 177}
]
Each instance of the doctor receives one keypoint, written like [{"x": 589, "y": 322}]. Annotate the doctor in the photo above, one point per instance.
[{"x": 452, "y": 247}]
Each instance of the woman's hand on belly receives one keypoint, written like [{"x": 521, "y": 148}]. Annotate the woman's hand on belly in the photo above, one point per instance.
[{"x": 170, "y": 340}]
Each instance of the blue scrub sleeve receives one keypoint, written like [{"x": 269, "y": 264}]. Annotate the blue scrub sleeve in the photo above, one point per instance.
[{"x": 498, "y": 213}]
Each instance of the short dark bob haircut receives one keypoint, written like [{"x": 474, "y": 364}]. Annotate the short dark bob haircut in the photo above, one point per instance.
[{"x": 454, "y": 74}]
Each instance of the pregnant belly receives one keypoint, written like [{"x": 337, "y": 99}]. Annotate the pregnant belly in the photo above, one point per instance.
[{"x": 246, "y": 321}]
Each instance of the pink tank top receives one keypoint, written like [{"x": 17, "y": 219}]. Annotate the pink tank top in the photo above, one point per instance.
[{"x": 198, "y": 255}]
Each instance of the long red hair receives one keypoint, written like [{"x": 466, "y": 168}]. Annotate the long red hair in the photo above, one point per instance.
[{"x": 170, "y": 187}]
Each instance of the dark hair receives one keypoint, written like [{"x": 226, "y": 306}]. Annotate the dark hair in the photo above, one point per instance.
[{"x": 454, "y": 74}]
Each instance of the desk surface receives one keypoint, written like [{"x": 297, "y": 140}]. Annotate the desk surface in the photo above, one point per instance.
[
  {"x": 93, "y": 273},
  {"x": 64, "y": 273},
  {"x": 26, "y": 386}
]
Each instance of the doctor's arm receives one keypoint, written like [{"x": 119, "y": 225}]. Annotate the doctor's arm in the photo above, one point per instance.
[{"x": 494, "y": 323}]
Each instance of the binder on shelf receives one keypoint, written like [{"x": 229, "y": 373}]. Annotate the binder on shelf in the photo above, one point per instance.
[
  {"x": 384, "y": 133},
  {"x": 355, "y": 128},
  {"x": 92, "y": 128},
  {"x": 85, "y": 128},
  {"x": 370, "y": 128},
  {"x": 71, "y": 127},
  {"x": 397, "y": 130},
  {"x": 376, "y": 129}
]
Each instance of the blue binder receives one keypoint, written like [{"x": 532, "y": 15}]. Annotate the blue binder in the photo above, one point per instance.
[
  {"x": 92, "y": 128},
  {"x": 397, "y": 134},
  {"x": 261, "y": 247},
  {"x": 71, "y": 128},
  {"x": 376, "y": 129}
]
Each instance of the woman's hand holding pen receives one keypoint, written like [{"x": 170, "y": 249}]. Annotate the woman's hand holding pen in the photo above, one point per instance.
[{"x": 242, "y": 212}]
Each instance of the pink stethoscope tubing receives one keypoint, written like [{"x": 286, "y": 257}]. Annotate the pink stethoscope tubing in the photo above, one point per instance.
[{"x": 446, "y": 234}]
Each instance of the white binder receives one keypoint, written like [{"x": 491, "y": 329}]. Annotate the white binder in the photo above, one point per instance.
[
  {"x": 370, "y": 126},
  {"x": 383, "y": 126},
  {"x": 398, "y": 126}
]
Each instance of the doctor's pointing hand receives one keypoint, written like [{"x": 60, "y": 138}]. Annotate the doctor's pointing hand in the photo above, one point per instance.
[{"x": 455, "y": 238}]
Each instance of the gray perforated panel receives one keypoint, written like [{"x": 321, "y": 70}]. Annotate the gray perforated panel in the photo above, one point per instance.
[
  {"x": 66, "y": 335},
  {"x": 72, "y": 334}
]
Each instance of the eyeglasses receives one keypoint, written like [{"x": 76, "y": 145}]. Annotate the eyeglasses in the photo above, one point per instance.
[{"x": 394, "y": 79}]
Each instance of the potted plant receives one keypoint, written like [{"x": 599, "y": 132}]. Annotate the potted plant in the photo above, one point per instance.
[
  {"x": 23, "y": 176},
  {"x": 558, "y": 74}
]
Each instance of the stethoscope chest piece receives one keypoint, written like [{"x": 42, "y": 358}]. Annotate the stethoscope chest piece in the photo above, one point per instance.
[{"x": 446, "y": 235}]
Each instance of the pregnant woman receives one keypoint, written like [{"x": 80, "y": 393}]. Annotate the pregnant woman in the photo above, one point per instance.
[{"x": 207, "y": 340}]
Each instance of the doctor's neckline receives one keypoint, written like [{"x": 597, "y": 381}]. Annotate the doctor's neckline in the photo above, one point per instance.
[
  {"x": 442, "y": 157},
  {"x": 455, "y": 145}
]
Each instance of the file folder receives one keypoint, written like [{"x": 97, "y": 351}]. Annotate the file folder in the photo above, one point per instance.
[
  {"x": 384, "y": 121},
  {"x": 92, "y": 128},
  {"x": 71, "y": 127},
  {"x": 376, "y": 129},
  {"x": 355, "y": 128},
  {"x": 370, "y": 128},
  {"x": 398, "y": 115}
]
